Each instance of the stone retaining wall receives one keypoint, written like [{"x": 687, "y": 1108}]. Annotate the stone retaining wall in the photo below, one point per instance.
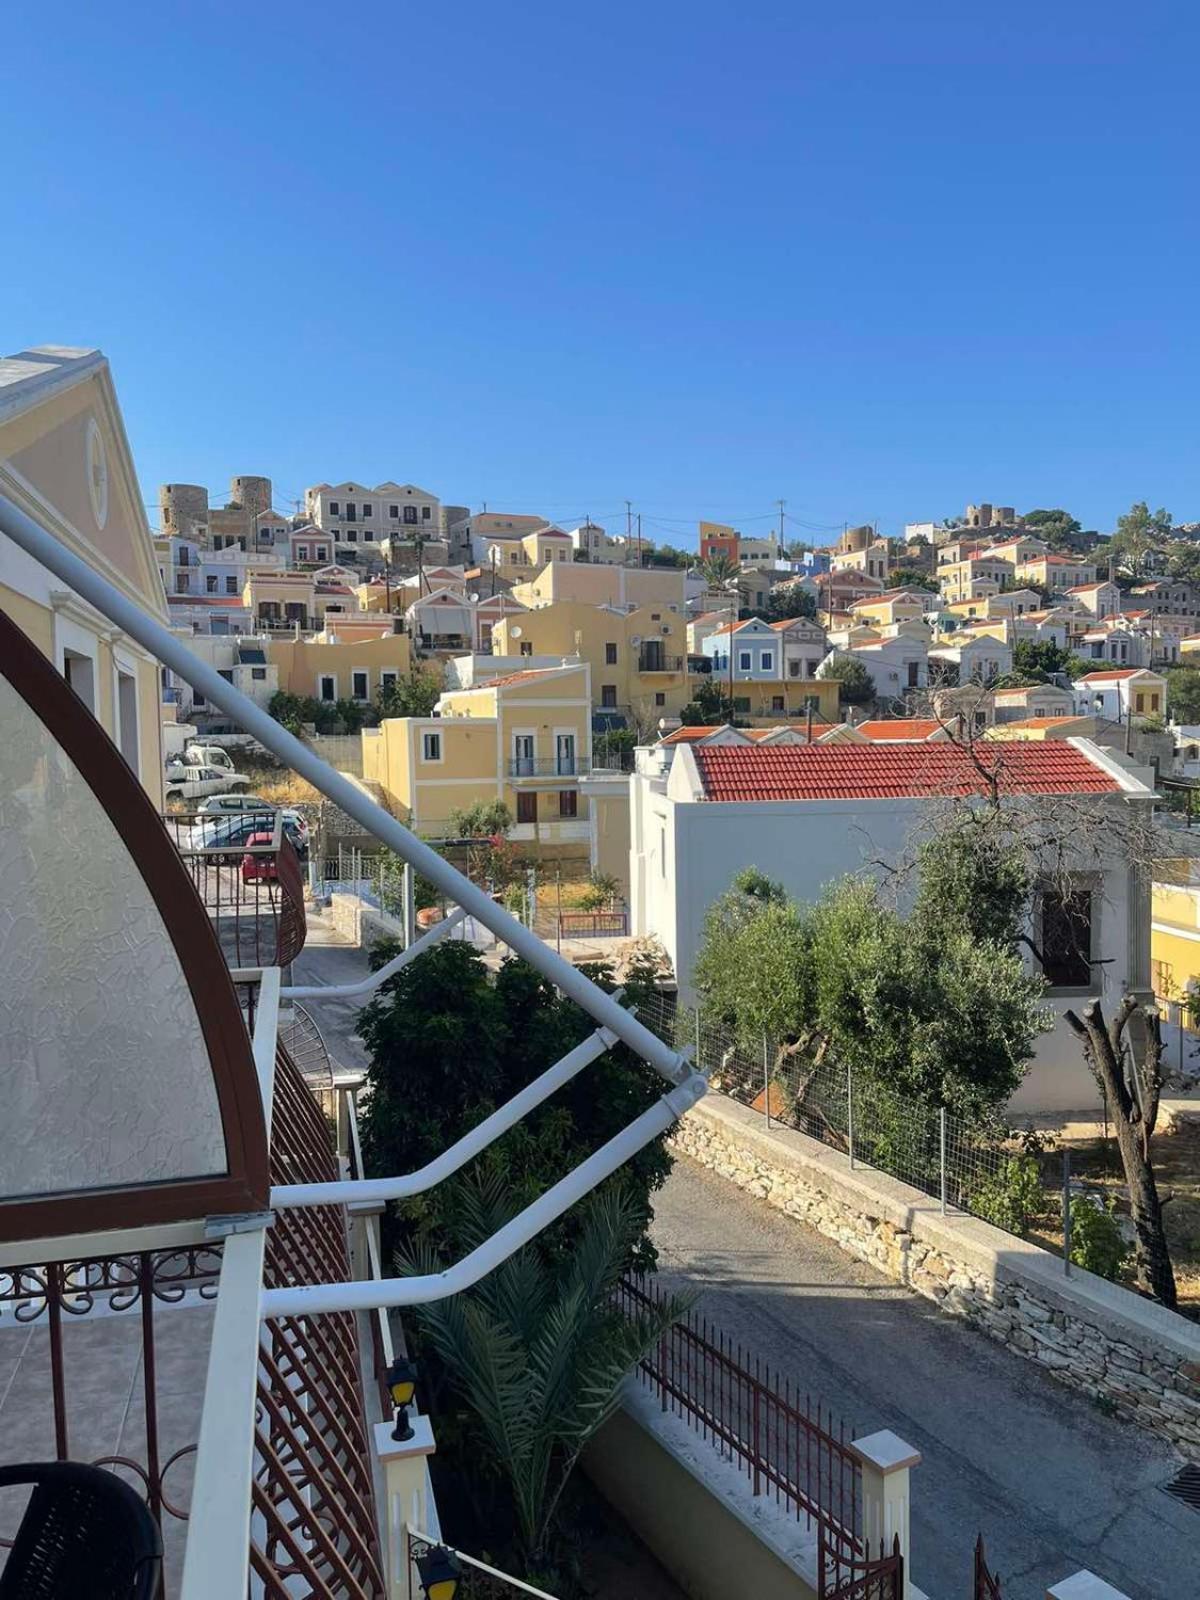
[{"x": 1104, "y": 1340}]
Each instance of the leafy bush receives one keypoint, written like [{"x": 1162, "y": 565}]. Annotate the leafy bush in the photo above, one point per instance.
[
  {"x": 1096, "y": 1240},
  {"x": 600, "y": 893},
  {"x": 1011, "y": 1198}
]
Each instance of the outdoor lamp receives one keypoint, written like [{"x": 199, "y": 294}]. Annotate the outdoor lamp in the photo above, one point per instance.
[
  {"x": 401, "y": 1381},
  {"x": 439, "y": 1573}
]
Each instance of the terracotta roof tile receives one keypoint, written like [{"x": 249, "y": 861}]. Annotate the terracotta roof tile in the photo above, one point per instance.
[
  {"x": 1112, "y": 674},
  {"x": 898, "y": 728},
  {"x": 752, "y": 773},
  {"x": 517, "y": 677}
]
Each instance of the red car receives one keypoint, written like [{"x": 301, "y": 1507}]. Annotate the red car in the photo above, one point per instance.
[{"x": 259, "y": 868}]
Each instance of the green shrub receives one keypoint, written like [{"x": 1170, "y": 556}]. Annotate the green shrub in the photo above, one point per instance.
[
  {"x": 600, "y": 893},
  {"x": 1096, "y": 1241},
  {"x": 1012, "y": 1197}
]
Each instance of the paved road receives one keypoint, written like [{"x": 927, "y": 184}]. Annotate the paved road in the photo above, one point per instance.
[{"x": 1053, "y": 1483}]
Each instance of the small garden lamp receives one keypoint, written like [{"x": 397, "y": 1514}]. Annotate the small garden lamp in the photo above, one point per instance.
[
  {"x": 439, "y": 1573},
  {"x": 401, "y": 1381}
]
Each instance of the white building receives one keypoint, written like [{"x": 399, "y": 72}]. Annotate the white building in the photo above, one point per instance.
[
  {"x": 1120, "y": 692},
  {"x": 825, "y": 810},
  {"x": 355, "y": 515},
  {"x": 188, "y": 569}
]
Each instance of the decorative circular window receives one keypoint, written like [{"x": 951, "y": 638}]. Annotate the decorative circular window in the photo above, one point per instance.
[{"x": 97, "y": 471}]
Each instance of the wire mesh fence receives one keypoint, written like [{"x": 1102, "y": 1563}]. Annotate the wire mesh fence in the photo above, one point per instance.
[{"x": 965, "y": 1165}]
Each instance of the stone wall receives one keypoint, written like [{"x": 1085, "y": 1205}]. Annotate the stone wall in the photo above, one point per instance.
[{"x": 1111, "y": 1344}]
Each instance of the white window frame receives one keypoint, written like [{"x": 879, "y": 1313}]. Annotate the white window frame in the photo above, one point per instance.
[
  {"x": 766, "y": 661},
  {"x": 389, "y": 677},
  {"x": 745, "y": 661},
  {"x": 426, "y": 758},
  {"x": 360, "y": 699}
]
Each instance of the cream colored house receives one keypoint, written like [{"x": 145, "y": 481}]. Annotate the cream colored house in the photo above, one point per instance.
[
  {"x": 979, "y": 574},
  {"x": 638, "y": 659},
  {"x": 65, "y": 461},
  {"x": 1056, "y": 573},
  {"x": 872, "y": 560},
  {"x": 604, "y": 586},
  {"x": 524, "y": 738},
  {"x": 534, "y": 551},
  {"x": 896, "y": 605},
  {"x": 332, "y": 668}
]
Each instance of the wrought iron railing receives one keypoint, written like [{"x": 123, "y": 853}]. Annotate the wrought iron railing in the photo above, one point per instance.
[
  {"x": 253, "y": 893},
  {"x": 548, "y": 766},
  {"x": 657, "y": 661},
  {"x": 800, "y": 1457}
]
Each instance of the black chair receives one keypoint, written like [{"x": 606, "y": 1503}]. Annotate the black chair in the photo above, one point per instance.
[{"x": 85, "y": 1535}]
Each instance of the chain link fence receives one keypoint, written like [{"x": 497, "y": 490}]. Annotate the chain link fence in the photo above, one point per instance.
[{"x": 965, "y": 1166}]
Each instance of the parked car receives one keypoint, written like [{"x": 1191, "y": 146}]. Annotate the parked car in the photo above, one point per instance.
[
  {"x": 231, "y": 834},
  {"x": 194, "y": 783},
  {"x": 259, "y": 868},
  {"x": 208, "y": 755},
  {"x": 220, "y": 804}
]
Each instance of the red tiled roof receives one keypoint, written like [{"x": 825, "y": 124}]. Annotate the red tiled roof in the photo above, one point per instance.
[
  {"x": 517, "y": 677},
  {"x": 1112, "y": 674},
  {"x": 752, "y": 773},
  {"x": 885, "y": 728}
]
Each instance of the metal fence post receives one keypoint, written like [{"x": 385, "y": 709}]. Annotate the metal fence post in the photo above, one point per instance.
[
  {"x": 767, "y": 1081},
  {"x": 942, "y": 1152},
  {"x": 850, "y": 1113},
  {"x": 699, "y": 1060},
  {"x": 1066, "y": 1209}
]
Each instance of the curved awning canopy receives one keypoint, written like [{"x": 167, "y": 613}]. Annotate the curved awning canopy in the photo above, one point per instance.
[{"x": 129, "y": 1088}]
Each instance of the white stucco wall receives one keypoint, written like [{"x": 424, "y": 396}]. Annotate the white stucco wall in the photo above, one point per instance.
[{"x": 683, "y": 856}]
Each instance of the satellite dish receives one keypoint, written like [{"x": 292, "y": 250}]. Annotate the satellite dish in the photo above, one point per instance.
[
  {"x": 637, "y": 639},
  {"x": 516, "y": 632},
  {"x": 473, "y": 598}
]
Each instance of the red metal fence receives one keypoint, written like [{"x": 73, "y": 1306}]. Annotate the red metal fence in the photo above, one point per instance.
[
  {"x": 844, "y": 1575},
  {"x": 800, "y": 1456},
  {"x": 593, "y": 924}
]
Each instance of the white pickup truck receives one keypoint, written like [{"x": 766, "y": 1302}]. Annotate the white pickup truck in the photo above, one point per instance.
[{"x": 189, "y": 781}]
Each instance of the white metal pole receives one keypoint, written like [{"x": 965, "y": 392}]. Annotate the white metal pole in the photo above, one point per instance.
[
  {"x": 161, "y": 642},
  {"x": 370, "y": 1295}
]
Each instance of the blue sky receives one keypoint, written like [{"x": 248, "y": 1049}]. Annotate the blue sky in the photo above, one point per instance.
[{"x": 879, "y": 260}]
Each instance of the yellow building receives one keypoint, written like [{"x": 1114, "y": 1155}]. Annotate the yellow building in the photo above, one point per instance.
[
  {"x": 603, "y": 585},
  {"x": 340, "y": 668},
  {"x": 638, "y": 659},
  {"x": 65, "y": 462},
  {"x": 785, "y": 697},
  {"x": 1174, "y": 931},
  {"x": 536, "y": 550},
  {"x": 524, "y": 738},
  {"x": 897, "y": 605}
]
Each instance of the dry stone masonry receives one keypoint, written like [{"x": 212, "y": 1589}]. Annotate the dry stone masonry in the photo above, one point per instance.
[{"x": 1123, "y": 1351}]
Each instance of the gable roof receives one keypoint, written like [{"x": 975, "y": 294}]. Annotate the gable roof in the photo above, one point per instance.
[
  {"x": 899, "y": 728},
  {"x": 751, "y": 773},
  {"x": 1114, "y": 673}
]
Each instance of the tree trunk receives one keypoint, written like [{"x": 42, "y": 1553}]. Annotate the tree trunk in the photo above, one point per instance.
[
  {"x": 1151, "y": 1257},
  {"x": 1133, "y": 1105}
]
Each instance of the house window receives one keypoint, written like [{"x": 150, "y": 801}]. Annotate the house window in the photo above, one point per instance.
[
  {"x": 210, "y": 583},
  {"x": 766, "y": 661},
  {"x": 526, "y": 647},
  {"x": 527, "y": 805},
  {"x": 301, "y": 552},
  {"x": 777, "y": 702},
  {"x": 394, "y": 513},
  {"x": 660, "y": 699},
  {"x": 1067, "y": 938},
  {"x": 351, "y": 536},
  {"x": 743, "y": 661},
  {"x": 608, "y": 695},
  {"x": 366, "y": 509},
  {"x": 328, "y": 686},
  {"x": 368, "y": 533},
  {"x": 359, "y": 686},
  {"x": 610, "y": 655},
  {"x": 410, "y": 516},
  {"x": 127, "y": 718},
  {"x": 182, "y": 583},
  {"x": 426, "y": 513},
  {"x": 431, "y": 747},
  {"x": 231, "y": 585},
  {"x": 259, "y": 674},
  {"x": 333, "y": 507},
  {"x": 568, "y": 803},
  {"x": 351, "y": 511},
  {"x": 913, "y": 668},
  {"x": 387, "y": 680}
]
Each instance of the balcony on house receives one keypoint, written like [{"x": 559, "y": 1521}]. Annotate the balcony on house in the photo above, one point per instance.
[
  {"x": 566, "y": 764},
  {"x": 652, "y": 658}
]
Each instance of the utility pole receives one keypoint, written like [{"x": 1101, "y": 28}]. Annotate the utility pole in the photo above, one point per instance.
[
  {"x": 628, "y": 523},
  {"x": 639, "y": 559},
  {"x": 782, "y": 503}
]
